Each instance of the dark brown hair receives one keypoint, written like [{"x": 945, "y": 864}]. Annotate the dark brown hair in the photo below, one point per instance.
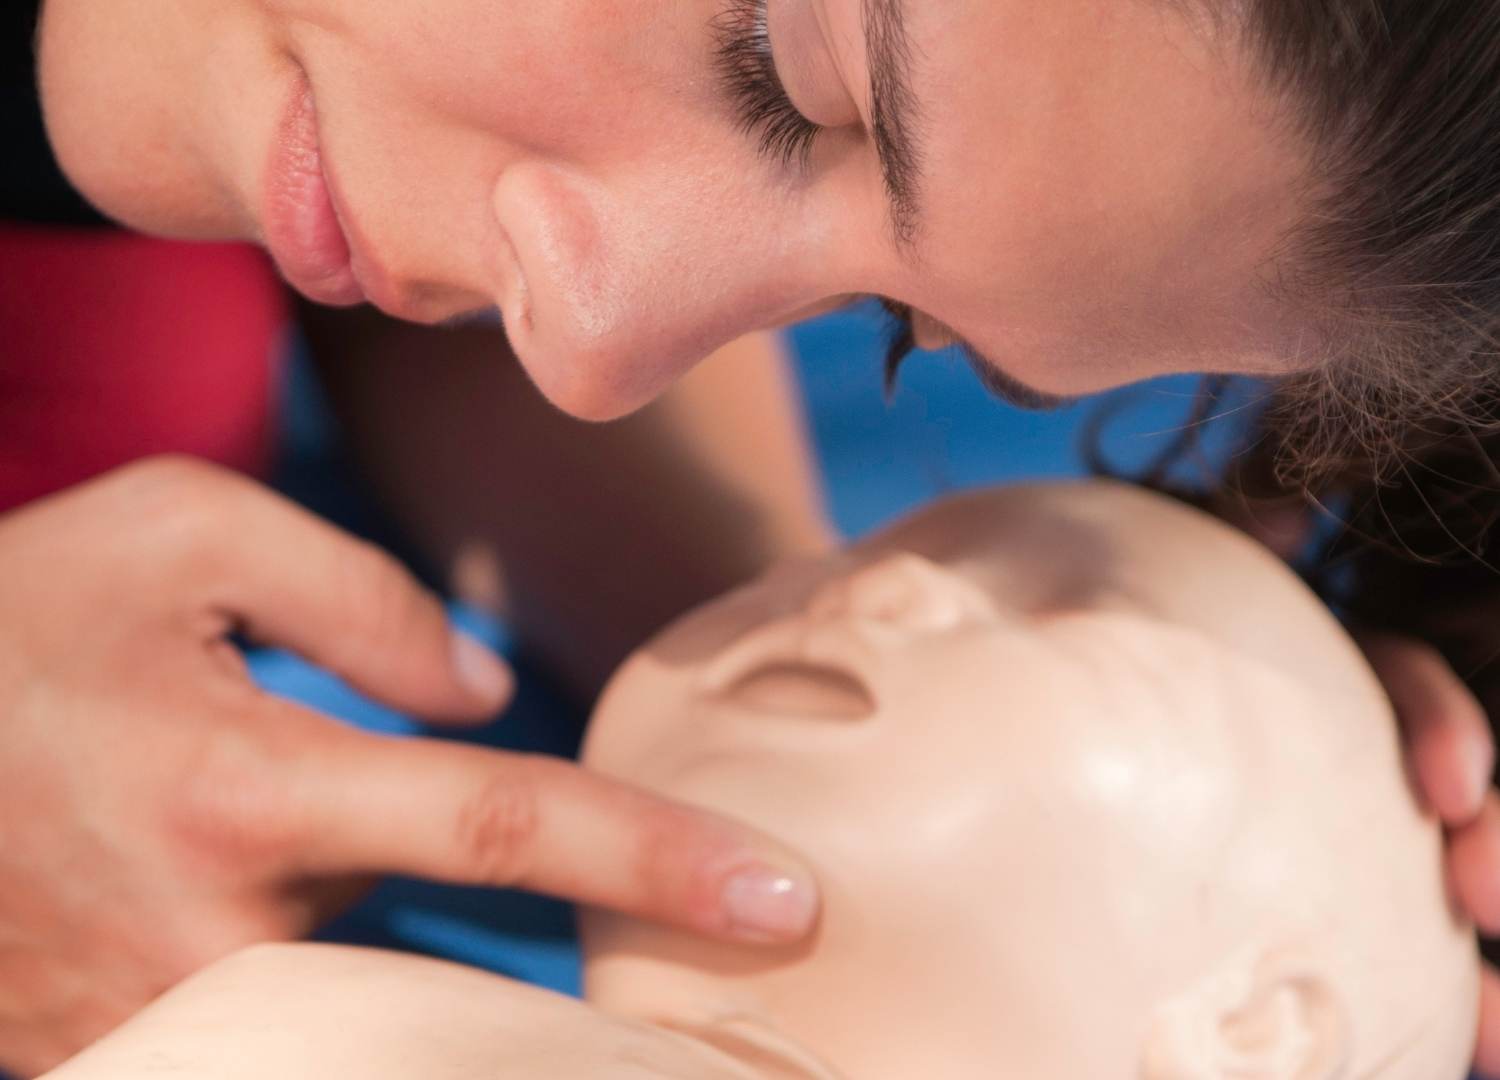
[
  {"x": 1399, "y": 258},
  {"x": 1389, "y": 438},
  {"x": 1392, "y": 437}
]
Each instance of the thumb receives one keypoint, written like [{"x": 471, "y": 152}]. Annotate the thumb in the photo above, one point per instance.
[
  {"x": 289, "y": 579},
  {"x": 469, "y": 815}
]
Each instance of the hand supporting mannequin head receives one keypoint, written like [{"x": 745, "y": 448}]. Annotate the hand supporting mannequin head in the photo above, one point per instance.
[{"x": 1095, "y": 788}]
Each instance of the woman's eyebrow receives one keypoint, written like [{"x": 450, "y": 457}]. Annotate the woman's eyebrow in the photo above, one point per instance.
[{"x": 895, "y": 112}]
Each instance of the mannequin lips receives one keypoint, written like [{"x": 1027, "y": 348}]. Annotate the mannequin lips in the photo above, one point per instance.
[{"x": 795, "y": 669}]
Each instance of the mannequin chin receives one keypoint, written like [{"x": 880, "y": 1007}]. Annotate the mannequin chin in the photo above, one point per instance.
[{"x": 1094, "y": 786}]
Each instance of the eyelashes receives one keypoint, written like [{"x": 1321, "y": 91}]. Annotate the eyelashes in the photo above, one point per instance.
[
  {"x": 748, "y": 71},
  {"x": 766, "y": 113},
  {"x": 903, "y": 341}
]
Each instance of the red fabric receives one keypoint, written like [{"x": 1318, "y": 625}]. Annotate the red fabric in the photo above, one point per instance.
[{"x": 114, "y": 346}]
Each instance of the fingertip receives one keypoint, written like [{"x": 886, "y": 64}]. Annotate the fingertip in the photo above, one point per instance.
[
  {"x": 1473, "y": 746},
  {"x": 722, "y": 880},
  {"x": 769, "y": 905},
  {"x": 1444, "y": 789},
  {"x": 483, "y": 676},
  {"x": 1455, "y": 768},
  {"x": 1454, "y": 757},
  {"x": 1474, "y": 863}
]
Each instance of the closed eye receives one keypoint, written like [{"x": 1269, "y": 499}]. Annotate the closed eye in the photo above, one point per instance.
[{"x": 747, "y": 68}]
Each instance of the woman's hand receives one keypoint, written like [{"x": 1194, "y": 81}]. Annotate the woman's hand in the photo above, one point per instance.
[
  {"x": 1451, "y": 754},
  {"x": 158, "y": 811}
]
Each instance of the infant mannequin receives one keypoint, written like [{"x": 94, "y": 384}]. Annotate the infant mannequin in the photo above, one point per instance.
[{"x": 1094, "y": 787}]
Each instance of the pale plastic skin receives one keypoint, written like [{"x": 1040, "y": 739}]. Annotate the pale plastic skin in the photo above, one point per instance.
[{"x": 1095, "y": 789}]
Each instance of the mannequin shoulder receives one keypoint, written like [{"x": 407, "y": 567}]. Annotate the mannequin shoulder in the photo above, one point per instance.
[{"x": 296, "y": 1012}]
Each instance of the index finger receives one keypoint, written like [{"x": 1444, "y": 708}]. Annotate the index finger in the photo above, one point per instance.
[{"x": 474, "y": 816}]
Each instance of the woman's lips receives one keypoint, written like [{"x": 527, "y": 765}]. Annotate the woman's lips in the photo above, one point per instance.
[{"x": 302, "y": 229}]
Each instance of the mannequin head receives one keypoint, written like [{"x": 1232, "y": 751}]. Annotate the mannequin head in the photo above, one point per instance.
[{"x": 1095, "y": 788}]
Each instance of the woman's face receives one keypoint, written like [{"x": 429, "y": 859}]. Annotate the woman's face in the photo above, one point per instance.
[{"x": 1085, "y": 191}]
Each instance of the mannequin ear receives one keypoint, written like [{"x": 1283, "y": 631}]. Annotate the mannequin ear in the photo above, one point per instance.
[{"x": 1264, "y": 1016}]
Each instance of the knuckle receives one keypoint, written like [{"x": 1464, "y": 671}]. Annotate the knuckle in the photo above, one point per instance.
[
  {"x": 228, "y": 812},
  {"x": 395, "y": 615},
  {"x": 679, "y": 865},
  {"x": 389, "y": 597},
  {"x": 159, "y": 469},
  {"x": 496, "y": 828},
  {"x": 176, "y": 501},
  {"x": 167, "y": 482}
]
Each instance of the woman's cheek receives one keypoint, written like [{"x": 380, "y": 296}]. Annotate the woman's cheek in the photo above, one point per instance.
[{"x": 135, "y": 116}]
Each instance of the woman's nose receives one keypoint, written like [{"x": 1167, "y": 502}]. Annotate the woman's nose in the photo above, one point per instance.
[
  {"x": 902, "y": 591},
  {"x": 621, "y": 284}
]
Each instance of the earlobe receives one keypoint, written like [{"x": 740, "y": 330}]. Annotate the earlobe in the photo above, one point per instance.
[{"x": 1266, "y": 1015}]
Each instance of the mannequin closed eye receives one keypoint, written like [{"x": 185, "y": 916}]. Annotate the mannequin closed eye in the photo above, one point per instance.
[{"x": 802, "y": 688}]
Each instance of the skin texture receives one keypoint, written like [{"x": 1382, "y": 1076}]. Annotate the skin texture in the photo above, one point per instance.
[
  {"x": 580, "y": 165},
  {"x": 1173, "y": 839}
]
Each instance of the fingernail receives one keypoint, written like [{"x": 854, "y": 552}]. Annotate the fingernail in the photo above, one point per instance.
[
  {"x": 480, "y": 671},
  {"x": 767, "y": 905}
]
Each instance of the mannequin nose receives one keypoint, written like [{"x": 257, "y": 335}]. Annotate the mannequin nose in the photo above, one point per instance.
[{"x": 902, "y": 591}]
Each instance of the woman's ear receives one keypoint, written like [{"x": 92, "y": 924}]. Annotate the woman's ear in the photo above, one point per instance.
[{"x": 1266, "y": 1015}]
